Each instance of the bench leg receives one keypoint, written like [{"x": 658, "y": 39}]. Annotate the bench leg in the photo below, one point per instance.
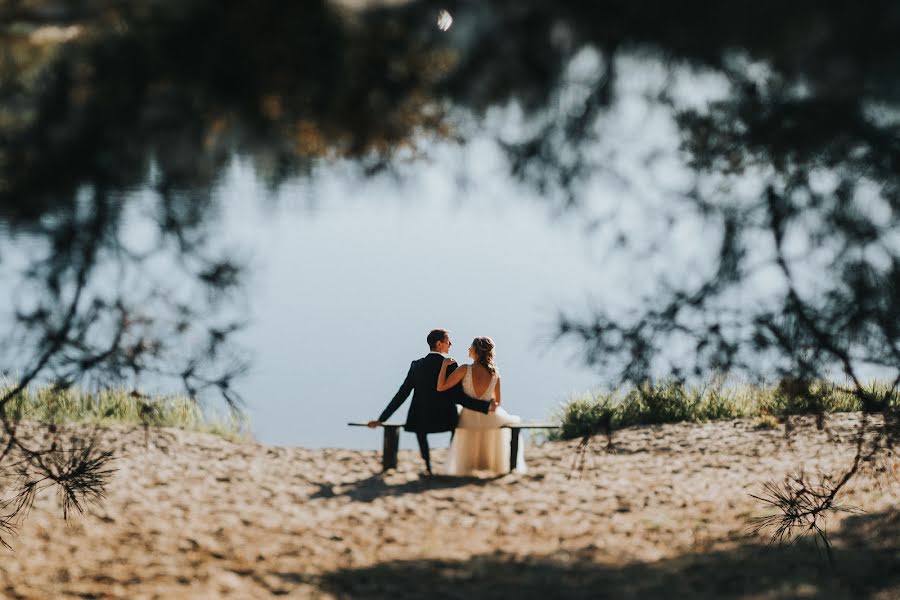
[
  {"x": 391, "y": 446},
  {"x": 513, "y": 448}
]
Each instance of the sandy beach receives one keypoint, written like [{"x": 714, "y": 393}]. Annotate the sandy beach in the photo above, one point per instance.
[{"x": 665, "y": 515}]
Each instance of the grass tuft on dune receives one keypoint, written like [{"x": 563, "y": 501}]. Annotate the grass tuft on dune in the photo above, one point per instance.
[
  {"x": 53, "y": 405},
  {"x": 675, "y": 402}
]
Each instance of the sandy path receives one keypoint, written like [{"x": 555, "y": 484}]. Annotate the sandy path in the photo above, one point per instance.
[{"x": 195, "y": 516}]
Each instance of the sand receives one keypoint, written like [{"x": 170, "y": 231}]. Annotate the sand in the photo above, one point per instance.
[{"x": 666, "y": 515}]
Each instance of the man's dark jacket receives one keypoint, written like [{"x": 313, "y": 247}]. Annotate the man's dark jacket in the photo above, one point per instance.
[{"x": 431, "y": 411}]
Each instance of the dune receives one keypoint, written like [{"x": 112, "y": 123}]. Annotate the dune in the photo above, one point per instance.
[{"x": 665, "y": 514}]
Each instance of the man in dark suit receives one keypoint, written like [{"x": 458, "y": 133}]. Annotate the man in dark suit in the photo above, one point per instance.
[{"x": 431, "y": 411}]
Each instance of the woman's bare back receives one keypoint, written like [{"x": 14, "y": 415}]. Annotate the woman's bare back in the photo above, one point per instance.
[{"x": 481, "y": 379}]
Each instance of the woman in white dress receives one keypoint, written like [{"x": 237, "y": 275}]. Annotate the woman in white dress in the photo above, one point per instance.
[{"x": 479, "y": 444}]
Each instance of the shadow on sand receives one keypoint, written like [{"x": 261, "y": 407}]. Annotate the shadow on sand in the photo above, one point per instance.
[
  {"x": 379, "y": 486},
  {"x": 866, "y": 566}
]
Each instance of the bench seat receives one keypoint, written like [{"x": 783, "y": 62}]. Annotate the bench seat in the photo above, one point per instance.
[{"x": 392, "y": 440}]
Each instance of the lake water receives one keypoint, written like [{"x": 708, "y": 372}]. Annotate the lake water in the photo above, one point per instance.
[
  {"x": 348, "y": 273},
  {"x": 344, "y": 290}
]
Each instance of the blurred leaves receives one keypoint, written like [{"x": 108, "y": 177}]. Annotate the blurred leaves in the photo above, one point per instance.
[{"x": 101, "y": 98}]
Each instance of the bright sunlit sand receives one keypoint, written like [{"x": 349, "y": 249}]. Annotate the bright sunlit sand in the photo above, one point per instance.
[{"x": 195, "y": 516}]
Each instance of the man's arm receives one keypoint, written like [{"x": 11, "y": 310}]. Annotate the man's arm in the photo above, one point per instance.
[
  {"x": 399, "y": 398},
  {"x": 482, "y": 406}
]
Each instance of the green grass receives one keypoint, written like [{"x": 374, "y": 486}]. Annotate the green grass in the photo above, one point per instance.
[
  {"x": 47, "y": 404},
  {"x": 673, "y": 402}
]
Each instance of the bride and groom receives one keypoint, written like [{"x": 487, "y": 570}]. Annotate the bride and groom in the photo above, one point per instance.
[{"x": 478, "y": 444}]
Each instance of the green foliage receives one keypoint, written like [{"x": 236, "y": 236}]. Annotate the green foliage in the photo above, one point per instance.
[
  {"x": 793, "y": 396},
  {"x": 587, "y": 416},
  {"x": 880, "y": 396},
  {"x": 655, "y": 403},
  {"x": 674, "y": 402},
  {"x": 48, "y": 404},
  {"x": 765, "y": 422}
]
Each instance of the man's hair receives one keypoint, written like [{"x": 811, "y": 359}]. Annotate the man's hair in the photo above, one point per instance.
[{"x": 436, "y": 336}]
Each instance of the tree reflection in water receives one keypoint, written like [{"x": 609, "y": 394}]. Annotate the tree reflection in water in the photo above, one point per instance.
[{"x": 100, "y": 98}]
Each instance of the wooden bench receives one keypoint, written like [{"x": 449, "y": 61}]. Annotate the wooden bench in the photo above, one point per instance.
[{"x": 392, "y": 441}]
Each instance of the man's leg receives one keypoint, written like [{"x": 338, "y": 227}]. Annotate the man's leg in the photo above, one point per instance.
[{"x": 423, "y": 448}]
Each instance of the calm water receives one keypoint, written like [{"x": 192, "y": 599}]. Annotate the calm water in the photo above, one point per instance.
[
  {"x": 350, "y": 274},
  {"x": 347, "y": 273},
  {"x": 342, "y": 296}
]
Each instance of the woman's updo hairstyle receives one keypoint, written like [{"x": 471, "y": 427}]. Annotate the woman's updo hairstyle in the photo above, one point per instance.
[{"x": 484, "y": 353}]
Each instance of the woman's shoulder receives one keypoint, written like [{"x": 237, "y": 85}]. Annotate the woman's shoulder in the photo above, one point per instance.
[{"x": 479, "y": 367}]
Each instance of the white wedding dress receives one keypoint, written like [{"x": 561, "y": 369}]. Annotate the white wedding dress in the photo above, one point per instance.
[{"x": 479, "y": 445}]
